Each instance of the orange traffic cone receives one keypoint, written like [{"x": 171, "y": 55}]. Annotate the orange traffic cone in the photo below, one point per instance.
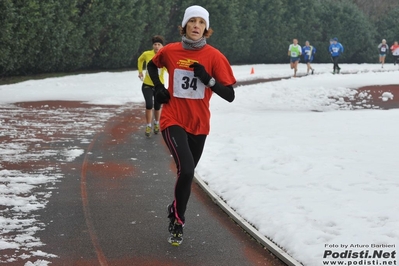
[{"x": 252, "y": 71}]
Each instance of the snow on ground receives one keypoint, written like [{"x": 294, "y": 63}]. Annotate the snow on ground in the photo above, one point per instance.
[{"x": 309, "y": 181}]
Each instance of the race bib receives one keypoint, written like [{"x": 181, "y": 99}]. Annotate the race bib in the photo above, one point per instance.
[
  {"x": 383, "y": 49},
  {"x": 335, "y": 49},
  {"x": 294, "y": 54},
  {"x": 185, "y": 85},
  {"x": 308, "y": 52}
]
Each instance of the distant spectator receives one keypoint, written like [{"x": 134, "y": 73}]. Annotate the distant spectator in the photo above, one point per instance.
[
  {"x": 383, "y": 49},
  {"x": 308, "y": 51},
  {"x": 395, "y": 52},
  {"x": 336, "y": 49}
]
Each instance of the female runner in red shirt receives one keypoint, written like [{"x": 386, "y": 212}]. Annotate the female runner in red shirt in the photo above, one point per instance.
[{"x": 196, "y": 71}]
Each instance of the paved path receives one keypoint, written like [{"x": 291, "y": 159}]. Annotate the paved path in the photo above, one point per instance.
[{"x": 110, "y": 206}]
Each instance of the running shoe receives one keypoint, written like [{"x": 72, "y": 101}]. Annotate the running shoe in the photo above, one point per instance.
[
  {"x": 175, "y": 229},
  {"x": 148, "y": 131},
  {"x": 156, "y": 128},
  {"x": 176, "y": 234}
]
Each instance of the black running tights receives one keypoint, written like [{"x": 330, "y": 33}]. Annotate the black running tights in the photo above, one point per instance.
[
  {"x": 186, "y": 150},
  {"x": 148, "y": 93},
  {"x": 335, "y": 61}
]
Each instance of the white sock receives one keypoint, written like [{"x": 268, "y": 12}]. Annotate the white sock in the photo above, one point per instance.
[
  {"x": 149, "y": 125},
  {"x": 156, "y": 122}
]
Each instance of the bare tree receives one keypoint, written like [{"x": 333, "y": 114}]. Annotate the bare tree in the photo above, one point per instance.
[{"x": 376, "y": 8}]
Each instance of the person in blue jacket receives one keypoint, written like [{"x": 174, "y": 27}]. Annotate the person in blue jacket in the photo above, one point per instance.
[
  {"x": 336, "y": 49},
  {"x": 308, "y": 52}
]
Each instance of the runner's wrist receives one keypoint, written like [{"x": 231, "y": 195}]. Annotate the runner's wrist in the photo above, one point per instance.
[{"x": 211, "y": 82}]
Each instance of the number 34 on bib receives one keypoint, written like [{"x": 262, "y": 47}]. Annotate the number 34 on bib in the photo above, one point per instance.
[{"x": 185, "y": 85}]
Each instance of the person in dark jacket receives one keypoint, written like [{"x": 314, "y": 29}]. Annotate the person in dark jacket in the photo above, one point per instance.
[
  {"x": 335, "y": 49},
  {"x": 383, "y": 49},
  {"x": 308, "y": 52}
]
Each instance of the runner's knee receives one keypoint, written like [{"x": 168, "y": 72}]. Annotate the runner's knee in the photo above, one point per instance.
[{"x": 148, "y": 105}]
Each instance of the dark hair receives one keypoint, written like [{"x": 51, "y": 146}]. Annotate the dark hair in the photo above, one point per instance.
[
  {"x": 207, "y": 33},
  {"x": 158, "y": 38}
]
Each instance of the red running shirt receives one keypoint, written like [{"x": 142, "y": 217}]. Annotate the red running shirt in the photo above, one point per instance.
[
  {"x": 189, "y": 97},
  {"x": 395, "y": 50}
]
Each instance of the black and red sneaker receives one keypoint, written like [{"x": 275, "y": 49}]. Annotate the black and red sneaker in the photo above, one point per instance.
[{"x": 175, "y": 229}]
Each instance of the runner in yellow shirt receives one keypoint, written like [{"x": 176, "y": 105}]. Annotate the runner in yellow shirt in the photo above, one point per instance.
[
  {"x": 294, "y": 52},
  {"x": 148, "y": 87}
]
